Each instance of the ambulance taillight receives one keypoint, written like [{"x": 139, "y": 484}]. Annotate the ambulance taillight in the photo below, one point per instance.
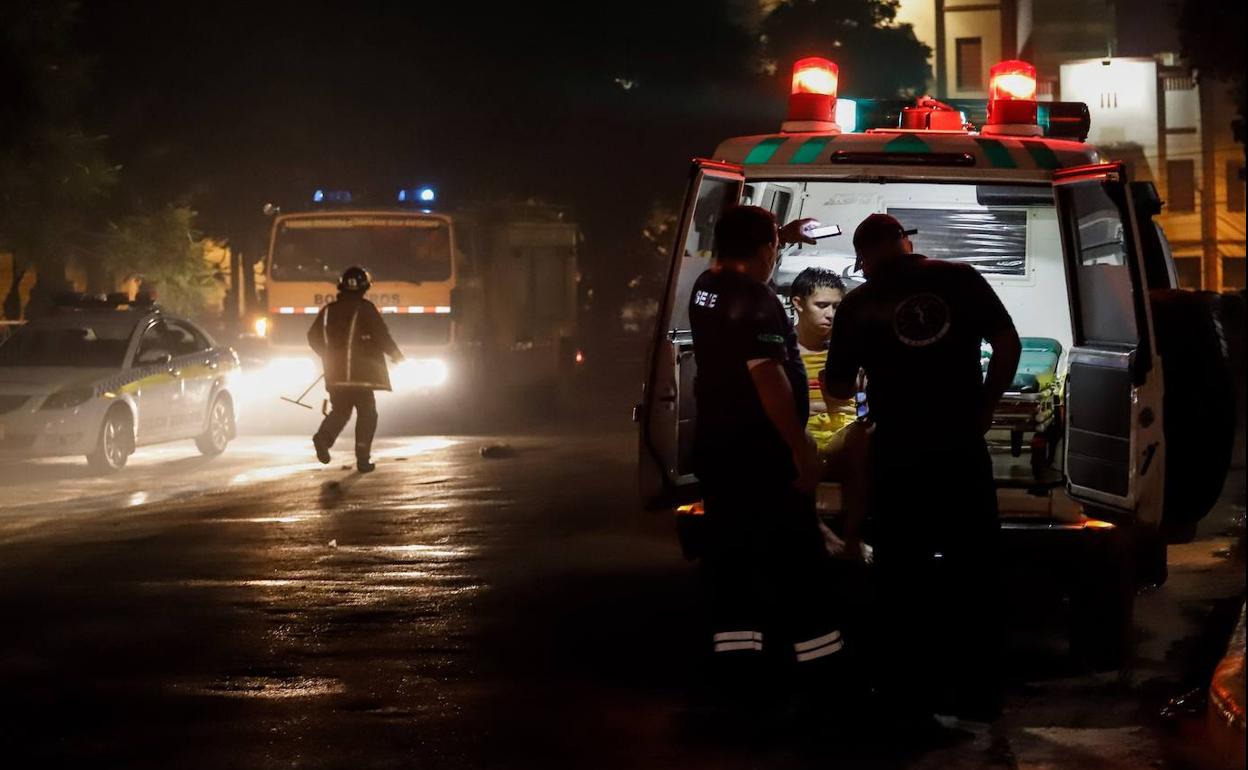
[
  {"x": 1012, "y": 99},
  {"x": 812, "y": 99}
]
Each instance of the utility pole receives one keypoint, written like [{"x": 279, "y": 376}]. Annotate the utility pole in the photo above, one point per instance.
[{"x": 1211, "y": 261}]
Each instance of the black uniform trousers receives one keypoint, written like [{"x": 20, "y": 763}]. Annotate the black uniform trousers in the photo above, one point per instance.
[
  {"x": 341, "y": 402},
  {"x": 936, "y": 537},
  {"x": 766, "y": 572}
]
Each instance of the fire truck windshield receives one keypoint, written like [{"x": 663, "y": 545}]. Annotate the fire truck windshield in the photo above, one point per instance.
[{"x": 391, "y": 248}]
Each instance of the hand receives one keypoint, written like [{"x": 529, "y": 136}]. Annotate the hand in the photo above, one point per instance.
[
  {"x": 854, "y": 551},
  {"x": 809, "y": 467},
  {"x": 795, "y": 232},
  {"x": 834, "y": 545}
]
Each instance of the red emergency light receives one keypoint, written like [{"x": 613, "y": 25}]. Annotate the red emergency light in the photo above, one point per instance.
[
  {"x": 1012, "y": 99},
  {"x": 812, "y": 99}
]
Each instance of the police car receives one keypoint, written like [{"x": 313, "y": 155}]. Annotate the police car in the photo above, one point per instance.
[
  {"x": 1098, "y": 450},
  {"x": 100, "y": 378}
]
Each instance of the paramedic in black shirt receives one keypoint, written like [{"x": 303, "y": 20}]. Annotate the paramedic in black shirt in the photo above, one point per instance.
[
  {"x": 916, "y": 328},
  {"x": 765, "y": 555}
]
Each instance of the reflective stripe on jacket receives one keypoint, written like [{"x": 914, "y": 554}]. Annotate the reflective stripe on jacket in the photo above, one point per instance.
[{"x": 352, "y": 340}]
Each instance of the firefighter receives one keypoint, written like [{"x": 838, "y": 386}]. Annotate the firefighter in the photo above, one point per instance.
[
  {"x": 352, "y": 340},
  {"x": 765, "y": 554},
  {"x": 916, "y": 328}
]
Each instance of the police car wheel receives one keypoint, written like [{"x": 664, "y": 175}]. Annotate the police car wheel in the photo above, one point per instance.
[
  {"x": 114, "y": 444},
  {"x": 220, "y": 428}
]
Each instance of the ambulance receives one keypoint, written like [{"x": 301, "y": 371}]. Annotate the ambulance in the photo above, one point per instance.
[{"x": 1096, "y": 460}]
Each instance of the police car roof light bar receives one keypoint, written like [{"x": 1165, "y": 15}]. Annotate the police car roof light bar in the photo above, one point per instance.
[
  {"x": 812, "y": 97},
  {"x": 1012, "y": 99}
]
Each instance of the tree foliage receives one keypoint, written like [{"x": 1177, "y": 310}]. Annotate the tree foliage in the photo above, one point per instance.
[
  {"x": 60, "y": 199},
  {"x": 160, "y": 247},
  {"x": 1211, "y": 33},
  {"x": 878, "y": 58}
]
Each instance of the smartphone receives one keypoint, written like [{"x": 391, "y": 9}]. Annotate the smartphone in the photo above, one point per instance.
[{"x": 823, "y": 231}]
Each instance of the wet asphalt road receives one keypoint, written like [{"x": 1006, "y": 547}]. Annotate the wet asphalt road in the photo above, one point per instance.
[{"x": 258, "y": 610}]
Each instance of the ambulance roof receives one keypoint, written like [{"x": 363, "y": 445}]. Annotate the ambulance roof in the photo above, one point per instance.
[{"x": 930, "y": 153}]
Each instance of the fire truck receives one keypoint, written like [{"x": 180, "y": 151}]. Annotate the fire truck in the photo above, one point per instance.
[
  {"x": 1095, "y": 453},
  {"x": 486, "y": 294}
]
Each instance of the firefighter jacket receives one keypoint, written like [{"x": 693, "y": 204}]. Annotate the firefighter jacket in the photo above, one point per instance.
[{"x": 352, "y": 340}]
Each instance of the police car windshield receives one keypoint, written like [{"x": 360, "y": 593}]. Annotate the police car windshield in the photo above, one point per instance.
[
  {"x": 81, "y": 344},
  {"x": 391, "y": 248}
]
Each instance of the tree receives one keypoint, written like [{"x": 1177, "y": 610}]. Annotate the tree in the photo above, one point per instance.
[
  {"x": 878, "y": 58},
  {"x": 160, "y": 248},
  {"x": 1211, "y": 36},
  {"x": 53, "y": 175}
]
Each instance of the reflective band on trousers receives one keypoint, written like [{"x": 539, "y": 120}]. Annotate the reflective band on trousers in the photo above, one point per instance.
[
  {"x": 732, "y": 641},
  {"x": 819, "y": 647}
]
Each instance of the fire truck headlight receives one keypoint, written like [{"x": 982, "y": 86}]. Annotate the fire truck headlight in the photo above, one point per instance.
[
  {"x": 261, "y": 327},
  {"x": 419, "y": 373}
]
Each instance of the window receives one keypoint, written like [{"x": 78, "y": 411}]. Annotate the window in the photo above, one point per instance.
[
  {"x": 1234, "y": 185},
  {"x": 1232, "y": 272},
  {"x": 993, "y": 240},
  {"x": 1181, "y": 184},
  {"x": 153, "y": 342},
  {"x": 970, "y": 53},
  {"x": 1188, "y": 269},
  {"x": 183, "y": 339},
  {"x": 1106, "y": 299},
  {"x": 715, "y": 195}
]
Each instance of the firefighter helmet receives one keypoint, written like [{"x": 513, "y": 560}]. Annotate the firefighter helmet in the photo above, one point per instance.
[{"x": 355, "y": 279}]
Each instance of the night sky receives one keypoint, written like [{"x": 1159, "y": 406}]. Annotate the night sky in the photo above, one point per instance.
[{"x": 229, "y": 105}]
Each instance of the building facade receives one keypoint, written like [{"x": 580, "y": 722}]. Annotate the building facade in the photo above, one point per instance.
[{"x": 1151, "y": 112}]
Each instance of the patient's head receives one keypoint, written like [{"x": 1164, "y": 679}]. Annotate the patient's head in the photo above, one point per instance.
[{"x": 816, "y": 293}]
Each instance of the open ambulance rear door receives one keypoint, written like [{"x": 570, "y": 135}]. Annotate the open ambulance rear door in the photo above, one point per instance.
[
  {"x": 666, "y": 411},
  {"x": 1115, "y": 451}
]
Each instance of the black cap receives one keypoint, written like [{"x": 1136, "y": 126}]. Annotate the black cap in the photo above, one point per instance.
[{"x": 877, "y": 229}]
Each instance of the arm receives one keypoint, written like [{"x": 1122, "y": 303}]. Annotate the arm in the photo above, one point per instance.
[
  {"x": 381, "y": 334},
  {"x": 316, "y": 334},
  {"x": 1006, "y": 351},
  {"x": 998, "y": 328},
  {"x": 776, "y": 395},
  {"x": 840, "y": 373}
]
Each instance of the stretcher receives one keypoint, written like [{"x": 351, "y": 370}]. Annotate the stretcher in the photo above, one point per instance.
[{"x": 1032, "y": 403}]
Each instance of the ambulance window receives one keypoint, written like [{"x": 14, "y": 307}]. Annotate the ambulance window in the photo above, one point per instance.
[
  {"x": 992, "y": 240},
  {"x": 714, "y": 196},
  {"x": 1103, "y": 276}
]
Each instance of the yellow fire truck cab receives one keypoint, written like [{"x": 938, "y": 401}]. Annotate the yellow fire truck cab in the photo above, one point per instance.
[{"x": 1084, "y": 445}]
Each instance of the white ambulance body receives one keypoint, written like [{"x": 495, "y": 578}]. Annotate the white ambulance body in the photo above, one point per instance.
[{"x": 1079, "y": 448}]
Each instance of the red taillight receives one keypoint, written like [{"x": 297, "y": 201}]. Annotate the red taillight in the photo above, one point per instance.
[
  {"x": 812, "y": 99},
  {"x": 1012, "y": 94},
  {"x": 814, "y": 75}
]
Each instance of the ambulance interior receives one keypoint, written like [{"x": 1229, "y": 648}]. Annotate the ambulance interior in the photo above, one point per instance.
[{"x": 1008, "y": 232}]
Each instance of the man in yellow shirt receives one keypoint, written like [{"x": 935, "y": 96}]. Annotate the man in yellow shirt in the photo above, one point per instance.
[{"x": 841, "y": 440}]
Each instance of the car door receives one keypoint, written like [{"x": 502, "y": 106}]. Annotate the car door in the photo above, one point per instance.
[
  {"x": 667, "y": 409},
  {"x": 1115, "y": 453},
  {"x": 156, "y": 385},
  {"x": 196, "y": 368}
]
